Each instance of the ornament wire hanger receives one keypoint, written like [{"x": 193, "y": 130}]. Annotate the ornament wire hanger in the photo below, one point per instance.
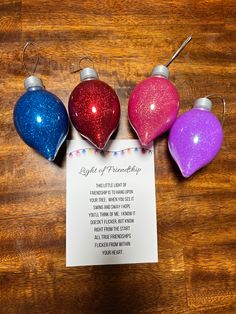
[
  {"x": 74, "y": 69},
  {"x": 31, "y": 70},
  {"x": 215, "y": 96},
  {"x": 175, "y": 55}
]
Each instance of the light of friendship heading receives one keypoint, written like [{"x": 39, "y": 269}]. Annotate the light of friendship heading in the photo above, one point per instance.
[{"x": 131, "y": 169}]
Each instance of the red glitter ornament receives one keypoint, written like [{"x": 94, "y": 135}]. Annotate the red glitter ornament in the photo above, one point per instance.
[{"x": 94, "y": 108}]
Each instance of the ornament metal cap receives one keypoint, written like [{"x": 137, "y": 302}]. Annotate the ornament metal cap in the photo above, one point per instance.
[
  {"x": 161, "y": 70},
  {"x": 88, "y": 73},
  {"x": 203, "y": 103},
  {"x": 33, "y": 81}
]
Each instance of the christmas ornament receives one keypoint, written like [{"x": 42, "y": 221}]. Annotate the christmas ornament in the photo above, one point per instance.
[
  {"x": 40, "y": 117},
  {"x": 154, "y": 103},
  {"x": 196, "y": 137},
  {"x": 94, "y": 108}
]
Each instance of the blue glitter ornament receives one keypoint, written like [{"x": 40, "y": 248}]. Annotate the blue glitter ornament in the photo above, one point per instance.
[{"x": 40, "y": 117}]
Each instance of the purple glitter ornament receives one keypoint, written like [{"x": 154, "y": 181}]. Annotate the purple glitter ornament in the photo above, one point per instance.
[{"x": 195, "y": 138}]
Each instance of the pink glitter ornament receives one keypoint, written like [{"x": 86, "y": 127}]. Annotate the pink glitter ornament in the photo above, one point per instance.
[
  {"x": 154, "y": 103},
  {"x": 153, "y": 107}
]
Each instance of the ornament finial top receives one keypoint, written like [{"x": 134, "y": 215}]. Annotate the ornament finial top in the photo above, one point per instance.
[
  {"x": 161, "y": 70},
  {"x": 203, "y": 103},
  {"x": 88, "y": 73},
  {"x": 33, "y": 81}
]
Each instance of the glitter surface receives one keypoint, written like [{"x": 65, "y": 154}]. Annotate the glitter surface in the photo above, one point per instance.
[
  {"x": 153, "y": 107},
  {"x": 41, "y": 121},
  {"x": 195, "y": 139},
  {"x": 94, "y": 110}
]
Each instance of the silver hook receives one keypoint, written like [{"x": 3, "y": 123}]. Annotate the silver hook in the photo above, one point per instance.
[
  {"x": 34, "y": 67},
  {"x": 184, "y": 44},
  {"x": 214, "y": 96},
  {"x": 73, "y": 69}
]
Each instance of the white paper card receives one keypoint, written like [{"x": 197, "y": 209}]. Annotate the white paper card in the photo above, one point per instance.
[{"x": 110, "y": 204}]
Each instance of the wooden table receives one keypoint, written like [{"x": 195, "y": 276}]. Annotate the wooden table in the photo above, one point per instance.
[{"x": 196, "y": 217}]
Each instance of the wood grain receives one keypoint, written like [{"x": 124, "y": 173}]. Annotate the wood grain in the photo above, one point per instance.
[{"x": 196, "y": 217}]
